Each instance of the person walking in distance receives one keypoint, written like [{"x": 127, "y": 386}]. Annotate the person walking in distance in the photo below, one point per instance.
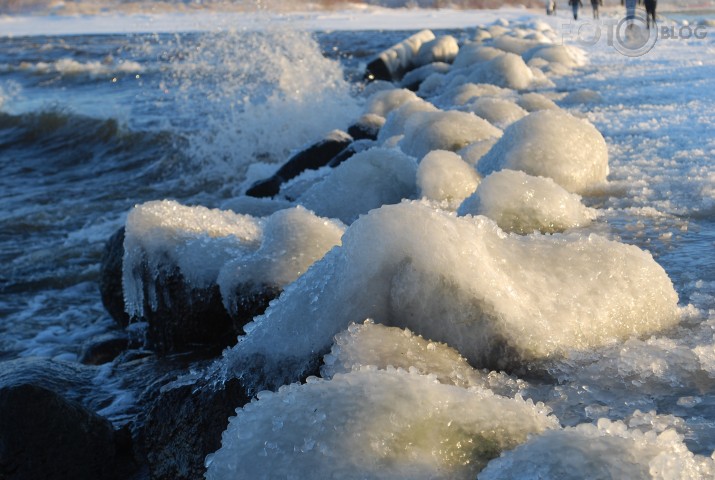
[
  {"x": 650, "y": 12},
  {"x": 630, "y": 11},
  {"x": 595, "y": 4},
  {"x": 575, "y": 4}
]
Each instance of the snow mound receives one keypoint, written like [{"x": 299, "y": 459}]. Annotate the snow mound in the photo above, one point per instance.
[
  {"x": 472, "y": 53},
  {"x": 566, "y": 55},
  {"x": 197, "y": 240},
  {"x": 377, "y": 424},
  {"x": 444, "y": 130},
  {"x": 555, "y": 144},
  {"x": 371, "y": 344},
  {"x": 532, "y": 102},
  {"x": 464, "y": 282},
  {"x": 523, "y": 204},
  {"x": 508, "y": 70},
  {"x": 500, "y": 112},
  {"x": 367, "y": 180},
  {"x": 463, "y": 93},
  {"x": 441, "y": 49},
  {"x": 293, "y": 239},
  {"x": 443, "y": 176},
  {"x": 395, "y": 122},
  {"x": 384, "y": 101},
  {"x": 606, "y": 450}
]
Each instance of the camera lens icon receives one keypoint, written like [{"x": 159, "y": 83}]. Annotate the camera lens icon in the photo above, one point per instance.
[{"x": 633, "y": 38}]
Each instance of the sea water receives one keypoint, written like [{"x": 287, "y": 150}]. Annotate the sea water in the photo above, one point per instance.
[{"x": 91, "y": 125}]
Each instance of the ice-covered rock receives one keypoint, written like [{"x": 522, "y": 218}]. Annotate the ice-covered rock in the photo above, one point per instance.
[
  {"x": 395, "y": 121},
  {"x": 555, "y": 144},
  {"x": 523, "y": 204},
  {"x": 512, "y": 44},
  {"x": 444, "y": 130},
  {"x": 384, "y": 101},
  {"x": 472, "y": 53},
  {"x": 375, "y": 424},
  {"x": 464, "y": 282},
  {"x": 371, "y": 344},
  {"x": 366, "y": 127},
  {"x": 508, "y": 70},
  {"x": 500, "y": 112},
  {"x": 443, "y": 176},
  {"x": 291, "y": 241},
  {"x": 532, "y": 102},
  {"x": 473, "y": 152},
  {"x": 463, "y": 93},
  {"x": 606, "y": 450},
  {"x": 414, "y": 78},
  {"x": 566, "y": 55},
  {"x": 392, "y": 63},
  {"x": 441, "y": 49},
  {"x": 367, "y": 180}
]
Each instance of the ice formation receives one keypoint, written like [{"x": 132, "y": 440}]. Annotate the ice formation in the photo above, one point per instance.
[
  {"x": 555, "y": 144},
  {"x": 532, "y": 102},
  {"x": 444, "y": 176},
  {"x": 441, "y": 49},
  {"x": 394, "y": 125},
  {"x": 464, "y": 282},
  {"x": 370, "y": 423},
  {"x": 566, "y": 55},
  {"x": 602, "y": 451},
  {"x": 523, "y": 204},
  {"x": 444, "y": 130},
  {"x": 292, "y": 240},
  {"x": 472, "y": 53},
  {"x": 384, "y": 101},
  {"x": 197, "y": 240},
  {"x": 508, "y": 70},
  {"x": 500, "y": 112},
  {"x": 367, "y": 180},
  {"x": 371, "y": 344}
]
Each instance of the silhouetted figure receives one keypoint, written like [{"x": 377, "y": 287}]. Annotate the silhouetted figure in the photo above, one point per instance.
[
  {"x": 650, "y": 12},
  {"x": 550, "y": 7},
  {"x": 595, "y": 4},
  {"x": 575, "y": 4},
  {"x": 630, "y": 11}
]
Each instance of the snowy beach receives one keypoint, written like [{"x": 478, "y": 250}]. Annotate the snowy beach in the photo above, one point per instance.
[{"x": 507, "y": 273}]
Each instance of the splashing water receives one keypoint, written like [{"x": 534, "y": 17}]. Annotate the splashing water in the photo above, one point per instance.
[{"x": 254, "y": 96}]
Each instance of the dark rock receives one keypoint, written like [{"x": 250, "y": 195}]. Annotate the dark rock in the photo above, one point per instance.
[
  {"x": 45, "y": 436},
  {"x": 251, "y": 301},
  {"x": 355, "y": 147},
  {"x": 185, "y": 318},
  {"x": 110, "y": 278},
  {"x": 315, "y": 156},
  {"x": 391, "y": 64},
  {"x": 184, "y": 424},
  {"x": 363, "y": 130},
  {"x": 377, "y": 69},
  {"x": 104, "y": 349}
]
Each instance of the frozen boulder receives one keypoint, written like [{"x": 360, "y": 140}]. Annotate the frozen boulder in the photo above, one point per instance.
[
  {"x": 464, "y": 282},
  {"x": 566, "y": 55},
  {"x": 443, "y": 176},
  {"x": 523, "y": 204},
  {"x": 393, "y": 62},
  {"x": 473, "y": 152},
  {"x": 366, "y": 127},
  {"x": 383, "y": 102},
  {"x": 373, "y": 345},
  {"x": 291, "y": 241},
  {"x": 603, "y": 451},
  {"x": 532, "y": 102},
  {"x": 312, "y": 157},
  {"x": 512, "y": 44},
  {"x": 395, "y": 121},
  {"x": 367, "y": 180},
  {"x": 444, "y": 130},
  {"x": 414, "y": 78},
  {"x": 472, "y": 53},
  {"x": 508, "y": 70},
  {"x": 555, "y": 144},
  {"x": 500, "y": 112},
  {"x": 441, "y": 49},
  {"x": 463, "y": 93},
  {"x": 374, "y": 424},
  {"x": 172, "y": 257}
]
